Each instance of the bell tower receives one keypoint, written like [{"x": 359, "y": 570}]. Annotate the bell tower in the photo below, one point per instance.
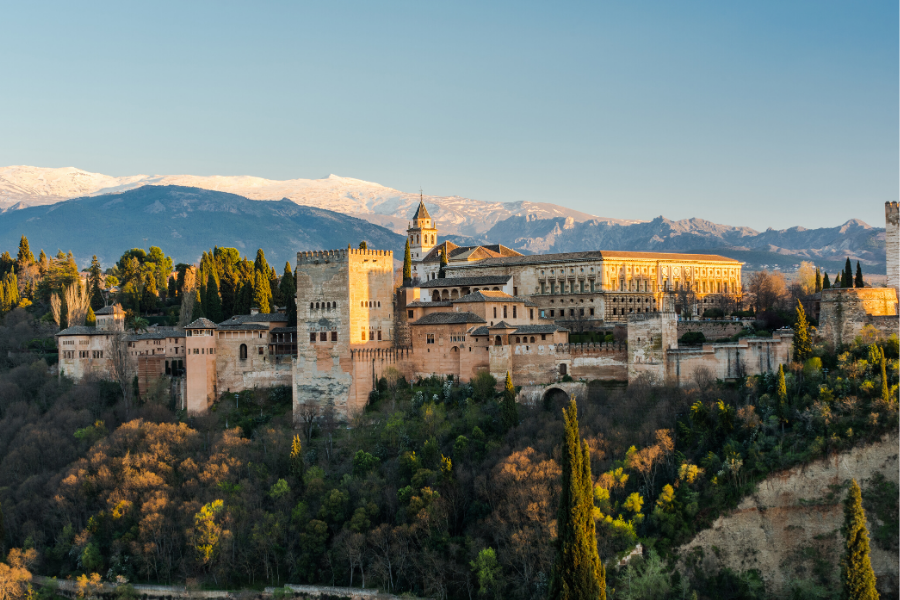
[{"x": 422, "y": 232}]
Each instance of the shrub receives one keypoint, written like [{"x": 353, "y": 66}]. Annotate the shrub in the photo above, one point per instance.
[{"x": 693, "y": 337}]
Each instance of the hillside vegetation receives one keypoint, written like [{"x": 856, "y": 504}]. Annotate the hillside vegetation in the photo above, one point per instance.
[{"x": 438, "y": 489}]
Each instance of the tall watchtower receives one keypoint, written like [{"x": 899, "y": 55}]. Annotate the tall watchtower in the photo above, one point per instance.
[
  {"x": 422, "y": 233},
  {"x": 892, "y": 243}
]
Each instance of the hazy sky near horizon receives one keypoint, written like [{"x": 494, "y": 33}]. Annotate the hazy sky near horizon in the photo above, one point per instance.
[{"x": 764, "y": 114}]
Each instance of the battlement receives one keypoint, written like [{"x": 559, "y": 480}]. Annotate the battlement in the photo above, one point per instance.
[
  {"x": 592, "y": 348},
  {"x": 892, "y": 212},
  {"x": 316, "y": 256},
  {"x": 391, "y": 354}
]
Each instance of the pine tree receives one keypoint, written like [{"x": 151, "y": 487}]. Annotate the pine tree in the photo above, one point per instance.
[
  {"x": 858, "y": 282},
  {"x": 96, "y": 274},
  {"x": 261, "y": 293},
  {"x": 91, "y": 319},
  {"x": 289, "y": 294},
  {"x": 826, "y": 284},
  {"x": 847, "y": 278},
  {"x": 802, "y": 343},
  {"x": 857, "y": 576},
  {"x": 510, "y": 408},
  {"x": 407, "y": 265},
  {"x": 577, "y": 571},
  {"x": 261, "y": 265},
  {"x": 818, "y": 281},
  {"x": 213, "y": 308},
  {"x": 43, "y": 263},
  {"x": 25, "y": 256}
]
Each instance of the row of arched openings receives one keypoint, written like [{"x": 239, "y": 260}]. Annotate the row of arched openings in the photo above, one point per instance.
[
  {"x": 322, "y": 305},
  {"x": 369, "y": 304}
]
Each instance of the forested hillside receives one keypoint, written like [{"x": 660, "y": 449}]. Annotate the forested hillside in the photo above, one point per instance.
[{"x": 438, "y": 489}]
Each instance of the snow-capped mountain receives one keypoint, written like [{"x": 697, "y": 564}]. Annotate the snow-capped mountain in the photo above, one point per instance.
[{"x": 22, "y": 186}]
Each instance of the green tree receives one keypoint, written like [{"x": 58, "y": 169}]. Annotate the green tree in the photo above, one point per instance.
[
  {"x": 25, "y": 256},
  {"x": 407, "y": 265},
  {"x": 885, "y": 387},
  {"x": 363, "y": 245},
  {"x": 857, "y": 576},
  {"x": 288, "y": 287},
  {"x": 444, "y": 262},
  {"x": 260, "y": 264},
  {"x": 802, "y": 342},
  {"x": 94, "y": 282},
  {"x": 577, "y": 571},
  {"x": 510, "y": 409},
  {"x": 858, "y": 282},
  {"x": 818, "y": 280},
  {"x": 826, "y": 283},
  {"x": 488, "y": 573},
  {"x": 261, "y": 292},
  {"x": 781, "y": 392},
  {"x": 91, "y": 319},
  {"x": 213, "y": 308},
  {"x": 198, "y": 307}
]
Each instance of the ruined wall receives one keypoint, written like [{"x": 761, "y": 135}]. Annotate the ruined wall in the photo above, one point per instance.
[
  {"x": 796, "y": 510},
  {"x": 843, "y": 313},
  {"x": 733, "y": 360},
  {"x": 650, "y": 335},
  {"x": 892, "y": 244},
  {"x": 713, "y": 330}
]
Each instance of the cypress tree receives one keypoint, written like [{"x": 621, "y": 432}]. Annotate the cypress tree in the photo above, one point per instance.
[
  {"x": 577, "y": 571},
  {"x": 444, "y": 262},
  {"x": 510, "y": 409},
  {"x": 859, "y": 278},
  {"x": 96, "y": 294},
  {"x": 363, "y": 245},
  {"x": 213, "y": 308},
  {"x": 229, "y": 290},
  {"x": 261, "y": 293},
  {"x": 91, "y": 319},
  {"x": 857, "y": 576},
  {"x": 847, "y": 279},
  {"x": 885, "y": 388},
  {"x": 289, "y": 294},
  {"x": 407, "y": 265},
  {"x": 826, "y": 284},
  {"x": 781, "y": 393},
  {"x": 25, "y": 256},
  {"x": 818, "y": 281},
  {"x": 12, "y": 290},
  {"x": 802, "y": 343},
  {"x": 197, "y": 313},
  {"x": 274, "y": 290}
]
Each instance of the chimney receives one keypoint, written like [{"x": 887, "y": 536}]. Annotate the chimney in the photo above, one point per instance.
[{"x": 254, "y": 310}]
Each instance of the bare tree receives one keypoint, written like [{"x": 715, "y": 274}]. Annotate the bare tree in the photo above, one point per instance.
[
  {"x": 768, "y": 290},
  {"x": 307, "y": 414},
  {"x": 56, "y": 309},
  {"x": 119, "y": 366},
  {"x": 78, "y": 301},
  {"x": 392, "y": 377},
  {"x": 687, "y": 299}
]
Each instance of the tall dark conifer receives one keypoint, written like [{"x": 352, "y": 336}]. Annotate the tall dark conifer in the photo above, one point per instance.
[
  {"x": 857, "y": 576},
  {"x": 407, "y": 265},
  {"x": 213, "y": 308},
  {"x": 25, "y": 256},
  {"x": 818, "y": 281},
  {"x": 96, "y": 274},
  {"x": 802, "y": 343},
  {"x": 847, "y": 279},
  {"x": 577, "y": 571},
  {"x": 858, "y": 282},
  {"x": 826, "y": 283}
]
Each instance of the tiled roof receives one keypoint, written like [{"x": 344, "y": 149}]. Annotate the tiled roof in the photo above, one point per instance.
[
  {"x": 467, "y": 281},
  {"x": 257, "y": 318},
  {"x": 425, "y": 304},
  {"x": 524, "y": 329},
  {"x": 421, "y": 212},
  {"x": 228, "y": 326},
  {"x": 108, "y": 310},
  {"x": 448, "y": 318},
  {"x": 503, "y": 325},
  {"x": 538, "y": 259},
  {"x": 85, "y": 330},
  {"x": 483, "y": 330},
  {"x": 461, "y": 253},
  {"x": 148, "y": 335},
  {"x": 493, "y": 296},
  {"x": 284, "y": 330},
  {"x": 201, "y": 323}
]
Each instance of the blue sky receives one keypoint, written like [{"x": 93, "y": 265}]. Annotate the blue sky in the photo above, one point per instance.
[{"x": 765, "y": 114}]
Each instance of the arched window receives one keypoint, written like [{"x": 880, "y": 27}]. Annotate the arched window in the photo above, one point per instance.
[
  {"x": 328, "y": 305},
  {"x": 379, "y": 305},
  {"x": 518, "y": 340},
  {"x": 317, "y": 305},
  {"x": 334, "y": 305},
  {"x": 532, "y": 339},
  {"x": 243, "y": 352},
  {"x": 311, "y": 306}
]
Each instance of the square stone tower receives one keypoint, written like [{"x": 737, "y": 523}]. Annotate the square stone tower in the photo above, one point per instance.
[
  {"x": 344, "y": 303},
  {"x": 892, "y": 243}
]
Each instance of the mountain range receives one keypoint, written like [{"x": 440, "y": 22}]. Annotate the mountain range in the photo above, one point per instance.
[{"x": 188, "y": 214}]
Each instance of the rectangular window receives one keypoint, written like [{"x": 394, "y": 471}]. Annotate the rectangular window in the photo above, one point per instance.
[
  {"x": 323, "y": 336},
  {"x": 514, "y": 312},
  {"x": 212, "y": 350},
  {"x": 429, "y": 338},
  {"x": 409, "y": 314},
  {"x": 334, "y": 336},
  {"x": 552, "y": 312},
  {"x": 592, "y": 312},
  {"x": 515, "y": 291},
  {"x": 260, "y": 350},
  {"x": 495, "y": 312},
  {"x": 379, "y": 336},
  {"x": 543, "y": 336},
  {"x": 542, "y": 313},
  {"x": 312, "y": 337},
  {"x": 531, "y": 313},
  {"x": 581, "y": 312},
  {"x": 543, "y": 289},
  {"x": 552, "y": 288},
  {"x": 504, "y": 312}
]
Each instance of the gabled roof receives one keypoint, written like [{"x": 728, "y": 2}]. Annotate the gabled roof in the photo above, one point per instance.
[
  {"x": 448, "y": 318},
  {"x": 483, "y": 330},
  {"x": 503, "y": 325},
  {"x": 109, "y": 310},
  {"x": 540, "y": 259},
  {"x": 467, "y": 253},
  {"x": 421, "y": 212},
  {"x": 257, "y": 318},
  {"x": 228, "y": 326},
  {"x": 201, "y": 323},
  {"x": 85, "y": 330},
  {"x": 466, "y": 281},
  {"x": 492, "y": 296},
  {"x": 432, "y": 304}
]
